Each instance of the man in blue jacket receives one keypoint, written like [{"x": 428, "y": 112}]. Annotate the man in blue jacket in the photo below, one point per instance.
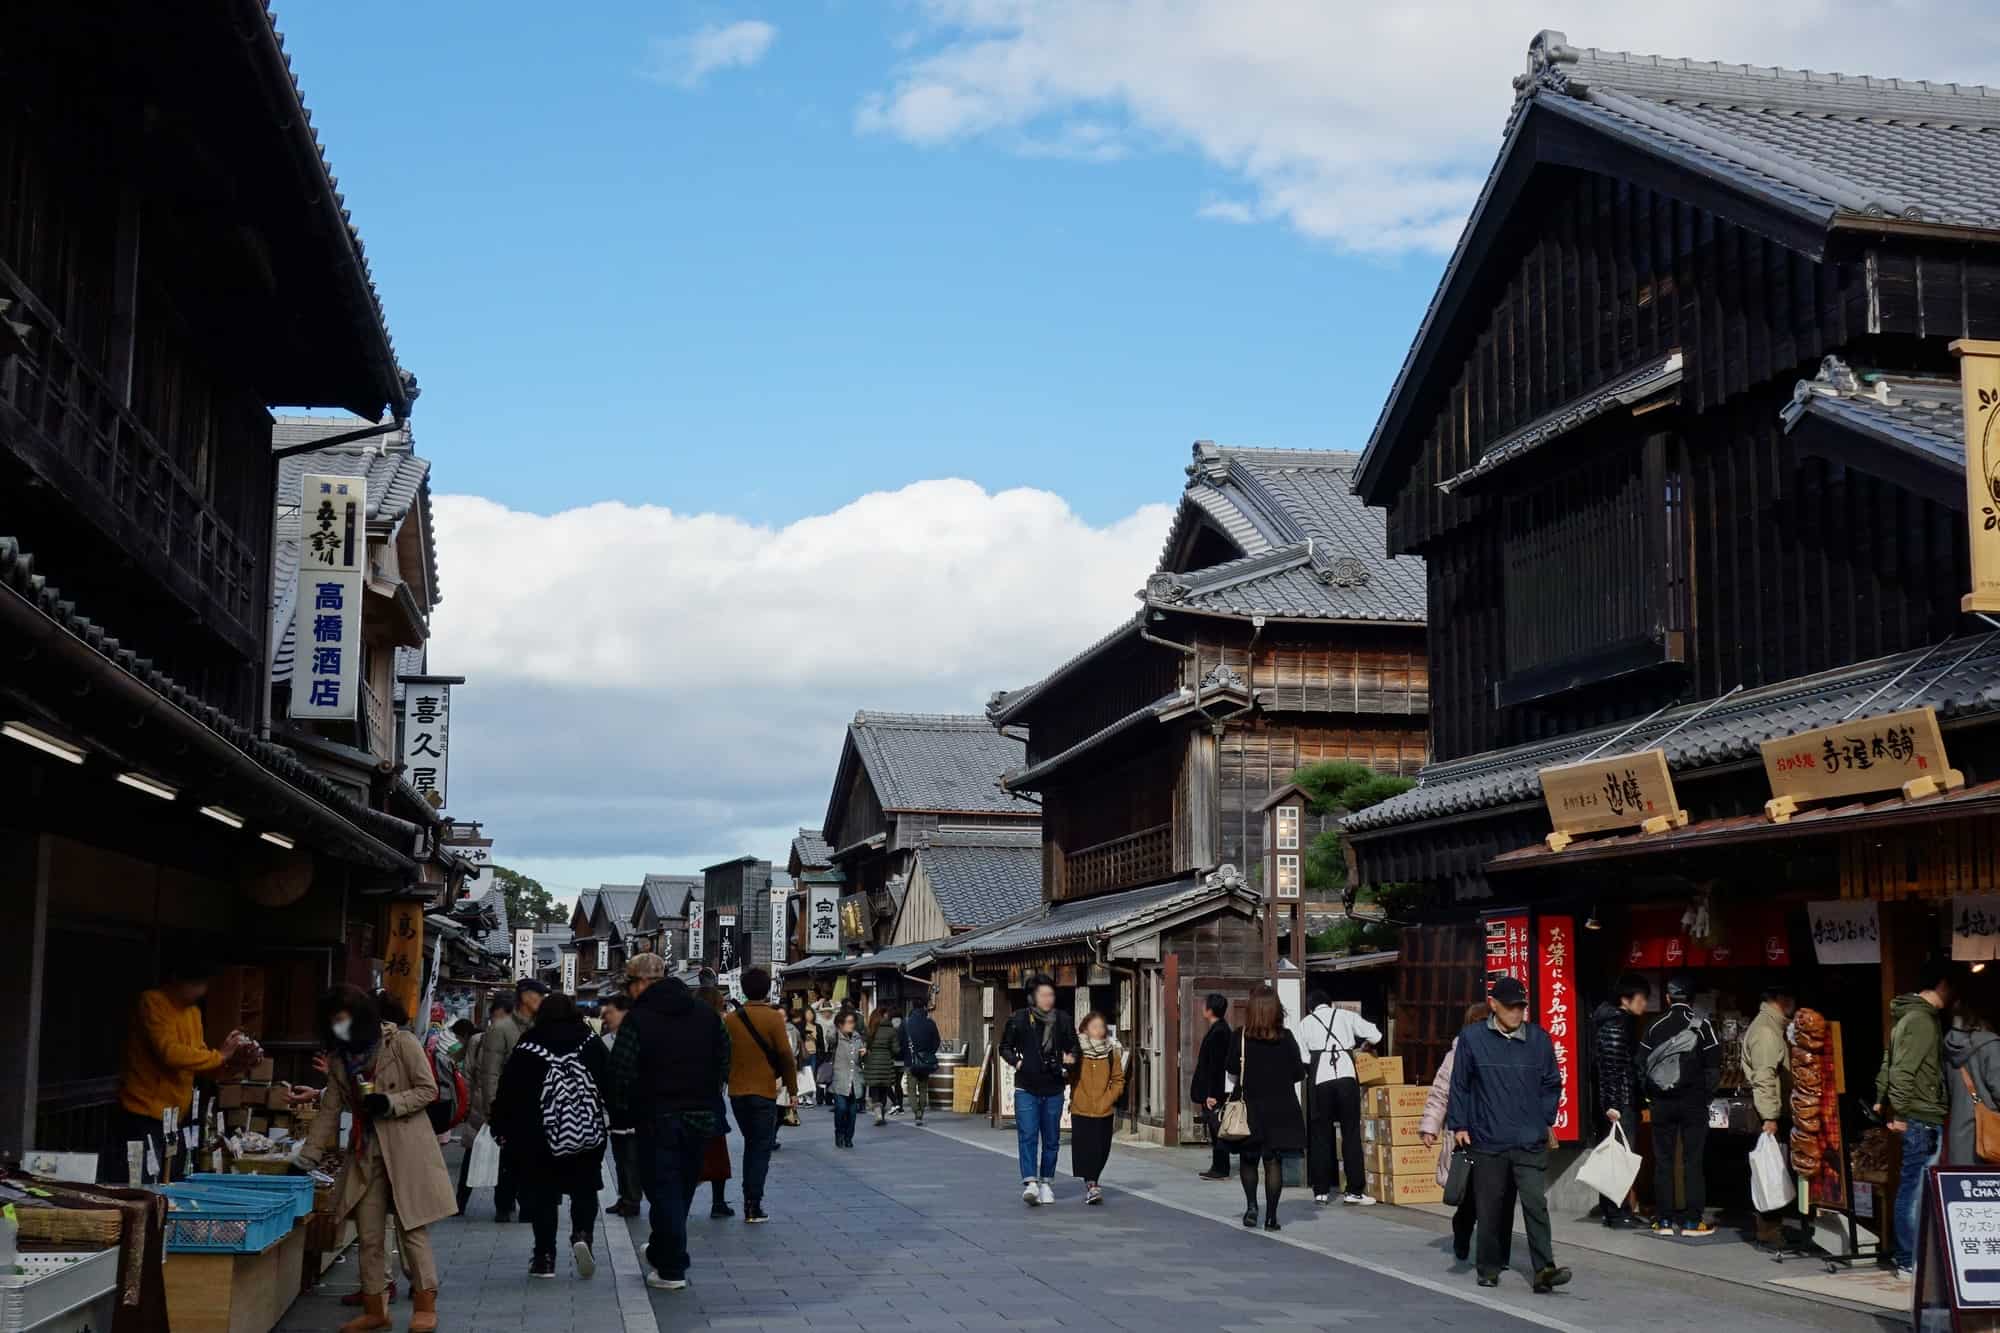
[{"x": 1504, "y": 1091}]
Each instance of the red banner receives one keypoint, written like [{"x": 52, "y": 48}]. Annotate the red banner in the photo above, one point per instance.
[
  {"x": 1751, "y": 938},
  {"x": 1507, "y": 952},
  {"x": 1556, "y": 1007}
]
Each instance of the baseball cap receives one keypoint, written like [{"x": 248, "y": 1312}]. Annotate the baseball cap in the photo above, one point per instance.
[
  {"x": 645, "y": 967},
  {"x": 1510, "y": 992},
  {"x": 526, "y": 984}
]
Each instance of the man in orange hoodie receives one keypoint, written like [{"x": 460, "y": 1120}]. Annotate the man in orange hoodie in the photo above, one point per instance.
[
  {"x": 760, "y": 1057},
  {"x": 164, "y": 1050}
]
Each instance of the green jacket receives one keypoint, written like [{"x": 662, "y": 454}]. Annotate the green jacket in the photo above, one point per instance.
[
  {"x": 878, "y": 1066},
  {"x": 1911, "y": 1081},
  {"x": 1767, "y": 1062}
]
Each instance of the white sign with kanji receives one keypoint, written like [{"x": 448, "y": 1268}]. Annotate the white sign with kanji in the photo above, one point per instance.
[
  {"x": 1846, "y": 931},
  {"x": 326, "y": 616},
  {"x": 823, "y": 919},
  {"x": 427, "y": 738}
]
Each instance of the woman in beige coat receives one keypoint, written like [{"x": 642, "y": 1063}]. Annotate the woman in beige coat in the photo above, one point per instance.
[{"x": 378, "y": 1088}]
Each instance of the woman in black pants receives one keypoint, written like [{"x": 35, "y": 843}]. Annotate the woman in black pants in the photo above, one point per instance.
[
  {"x": 559, "y": 1037},
  {"x": 1267, "y": 1068}
]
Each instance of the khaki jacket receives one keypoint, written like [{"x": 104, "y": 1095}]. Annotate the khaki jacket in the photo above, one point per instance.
[
  {"x": 495, "y": 1045},
  {"x": 1767, "y": 1062},
  {"x": 404, "y": 1139},
  {"x": 1098, "y": 1084}
]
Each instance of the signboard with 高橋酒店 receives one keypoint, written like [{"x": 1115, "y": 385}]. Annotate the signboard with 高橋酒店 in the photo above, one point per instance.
[
  {"x": 1867, "y": 754},
  {"x": 1621, "y": 791}
]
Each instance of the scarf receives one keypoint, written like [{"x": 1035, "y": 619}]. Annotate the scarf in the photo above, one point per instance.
[
  {"x": 1048, "y": 1026},
  {"x": 1095, "y": 1048}
]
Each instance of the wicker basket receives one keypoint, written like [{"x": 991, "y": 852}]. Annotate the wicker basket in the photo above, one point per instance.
[{"x": 69, "y": 1228}]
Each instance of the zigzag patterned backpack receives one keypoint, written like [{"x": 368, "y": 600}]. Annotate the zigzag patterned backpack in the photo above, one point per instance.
[{"x": 572, "y": 1110}]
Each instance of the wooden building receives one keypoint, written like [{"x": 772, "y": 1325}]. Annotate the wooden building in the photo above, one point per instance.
[
  {"x": 903, "y": 777},
  {"x": 1679, "y": 442},
  {"x": 737, "y": 895},
  {"x": 175, "y": 261},
  {"x": 659, "y": 918}
]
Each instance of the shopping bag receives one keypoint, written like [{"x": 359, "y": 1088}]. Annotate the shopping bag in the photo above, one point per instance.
[
  {"x": 483, "y": 1171},
  {"x": 1771, "y": 1185},
  {"x": 1611, "y": 1167}
]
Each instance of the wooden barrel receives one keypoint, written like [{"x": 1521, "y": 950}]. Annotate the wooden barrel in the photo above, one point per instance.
[{"x": 944, "y": 1078}]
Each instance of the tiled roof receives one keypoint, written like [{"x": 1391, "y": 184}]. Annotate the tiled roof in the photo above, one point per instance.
[
  {"x": 1007, "y": 704},
  {"x": 1069, "y": 922},
  {"x": 1627, "y": 390},
  {"x": 586, "y": 903},
  {"x": 618, "y": 901},
  {"x": 666, "y": 893},
  {"x": 1298, "y": 500},
  {"x": 895, "y": 958},
  {"x": 1307, "y": 580},
  {"x": 979, "y": 876},
  {"x": 1960, "y": 678},
  {"x": 1922, "y": 415},
  {"x": 811, "y": 849},
  {"x": 1824, "y": 148},
  {"x": 1222, "y": 685},
  {"x": 938, "y": 762},
  {"x": 500, "y": 939}
]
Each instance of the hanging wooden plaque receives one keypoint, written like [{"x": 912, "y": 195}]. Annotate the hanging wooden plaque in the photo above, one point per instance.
[
  {"x": 1616, "y": 792},
  {"x": 1896, "y": 750}
]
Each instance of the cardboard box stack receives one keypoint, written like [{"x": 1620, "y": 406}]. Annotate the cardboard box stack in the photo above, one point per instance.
[{"x": 1400, "y": 1169}]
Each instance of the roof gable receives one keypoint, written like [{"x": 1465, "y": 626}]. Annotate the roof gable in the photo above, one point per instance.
[
  {"x": 664, "y": 895},
  {"x": 931, "y": 763}
]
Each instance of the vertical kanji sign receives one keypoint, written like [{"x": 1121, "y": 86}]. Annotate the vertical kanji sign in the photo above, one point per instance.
[
  {"x": 1555, "y": 1008},
  {"x": 1507, "y": 953},
  {"x": 427, "y": 735},
  {"x": 823, "y": 919},
  {"x": 326, "y": 616},
  {"x": 403, "y": 952}
]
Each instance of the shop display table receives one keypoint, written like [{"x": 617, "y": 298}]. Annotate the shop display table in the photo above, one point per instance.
[{"x": 235, "y": 1293}]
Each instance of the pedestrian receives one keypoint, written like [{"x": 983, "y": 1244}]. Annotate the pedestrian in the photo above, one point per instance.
[
  {"x": 1505, "y": 1089},
  {"x": 1680, "y": 1064},
  {"x": 1430, "y": 1129},
  {"x": 670, "y": 1061},
  {"x": 502, "y": 1034},
  {"x": 1767, "y": 1070},
  {"x": 1266, "y": 1065},
  {"x": 715, "y": 1157},
  {"x": 550, "y": 1111},
  {"x": 1910, "y": 1094},
  {"x": 760, "y": 1059},
  {"x": 441, "y": 1048},
  {"x": 880, "y": 1066},
  {"x": 1328, "y": 1037},
  {"x": 1614, "y": 1044},
  {"x": 805, "y": 1038},
  {"x": 499, "y": 1021},
  {"x": 896, "y": 1083},
  {"x": 845, "y": 1082},
  {"x": 164, "y": 1050},
  {"x": 1040, "y": 1042},
  {"x": 378, "y": 1087},
  {"x": 1206, "y": 1089},
  {"x": 1099, "y": 1080},
  {"x": 1972, "y": 1054},
  {"x": 624, "y": 1134},
  {"x": 920, "y": 1055}
]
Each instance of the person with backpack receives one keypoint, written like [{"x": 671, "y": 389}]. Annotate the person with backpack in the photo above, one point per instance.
[
  {"x": 1680, "y": 1064},
  {"x": 760, "y": 1058},
  {"x": 454, "y": 1095},
  {"x": 1327, "y": 1037},
  {"x": 550, "y": 1113},
  {"x": 1910, "y": 1094},
  {"x": 1040, "y": 1042},
  {"x": 920, "y": 1056}
]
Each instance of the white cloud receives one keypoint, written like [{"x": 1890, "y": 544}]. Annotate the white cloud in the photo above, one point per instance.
[
  {"x": 1217, "y": 209},
  {"x": 1369, "y": 126},
  {"x": 644, "y": 683},
  {"x": 686, "y": 60}
]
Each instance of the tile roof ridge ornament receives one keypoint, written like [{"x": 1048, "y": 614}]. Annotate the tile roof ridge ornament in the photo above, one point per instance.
[
  {"x": 1836, "y": 379},
  {"x": 1548, "y": 52},
  {"x": 1211, "y": 464}
]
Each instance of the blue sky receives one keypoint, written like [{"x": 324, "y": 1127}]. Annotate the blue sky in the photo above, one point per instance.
[{"x": 728, "y": 298}]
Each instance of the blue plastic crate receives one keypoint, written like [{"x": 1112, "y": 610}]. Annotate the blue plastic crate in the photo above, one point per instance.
[
  {"x": 299, "y": 1189},
  {"x": 211, "y": 1219}
]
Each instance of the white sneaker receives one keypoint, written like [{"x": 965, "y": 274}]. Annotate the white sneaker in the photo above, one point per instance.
[
  {"x": 1047, "y": 1195},
  {"x": 1358, "y": 1200},
  {"x": 586, "y": 1262},
  {"x": 1321, "y": 1198},
  {"x": 1031, "y": 1194},
  {"x": 653, "y": 1279}
]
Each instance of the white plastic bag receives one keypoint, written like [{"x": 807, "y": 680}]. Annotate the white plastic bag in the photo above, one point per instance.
[
  {"x": 483, "y": 1171},
  {"x": 1611, "y": 1167},
  {"x": 1771, "y": 1185}
]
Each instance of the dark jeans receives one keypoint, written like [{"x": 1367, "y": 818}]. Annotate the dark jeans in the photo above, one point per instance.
[
  {"x": 1089, "y": 1146},
  {"x": 1465, "y": 1220},
  {"x": 757, "y": 1118},
  {"x": 541, "y": 1198},
  {"x": 1335, "y": 1105},
  {"x": 624, "y": 1154},
  {"x": 846, "y": 1110},
  {"x": 1218, "y": 1151},
  {"x": 670, "y": 1153},
  {"x": 1920, "y": 1152},
  {"x": 1683, "y": 1121},
  {"x": 1526, "y": 1172}
]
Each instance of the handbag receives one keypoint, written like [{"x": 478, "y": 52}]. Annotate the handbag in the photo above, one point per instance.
[
  {"x": 1985, "y": 1123},
  {"x": 1235, "y": 1126},
  {"x": 1458, "y": 1177}
]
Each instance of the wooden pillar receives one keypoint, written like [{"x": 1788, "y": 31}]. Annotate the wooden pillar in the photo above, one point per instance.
[
  {"x": 403, "y": 952},
  {"x": 1170, "y": 1050},
  {"x": 1204, "y": 800},
  {"x": 24, "y": 923}
]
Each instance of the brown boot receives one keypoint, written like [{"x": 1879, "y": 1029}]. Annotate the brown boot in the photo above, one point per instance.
[
  {"x": 423, "y": 1311},
  {"x": 354, "y": 1300},
  {"x": 374, "y": 1314}
]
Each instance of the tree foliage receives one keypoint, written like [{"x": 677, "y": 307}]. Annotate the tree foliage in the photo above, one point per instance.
[
  {"x": 1338, "y": 787},
  {"x": 528, "y": 903}
]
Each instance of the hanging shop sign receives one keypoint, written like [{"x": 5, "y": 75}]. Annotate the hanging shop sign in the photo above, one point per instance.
[
  {"x": 1555, "y": 1009},
  {"x": 695, "y": 922},
  {"x": 465, "y": 842},
  {"x": 1896, "y": 750},
  {"x": 603, "y": 955},
  {"x": 1979, "y": 392},
  {"x": 524, "y": 952},
  {"x": 569, "y": 971},
  {"x": 427, "y": 735},
  {"x": 1846, "y": 931},
  {"x": 1507, "y": 951},
  {"x": 326, "y": 617},
  {"x": 403, "y": 952},
  {"x": 778, "y": 946},
  {"x": 1619, "y": 792},
  {"x": 725, "y": 935},
  {"x": 1749, "y": 937},
  {"x": 1958, "y": 1266},
  {"x": 823, "y": 919},
  {"x": 854, "y": 918},
  {"x": 1975, "y": 927}
]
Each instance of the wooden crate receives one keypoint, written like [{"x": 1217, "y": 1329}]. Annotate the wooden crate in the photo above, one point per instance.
[
  {"x": 235, "y": 1293},
  {"x": 964, "y": 1089}
]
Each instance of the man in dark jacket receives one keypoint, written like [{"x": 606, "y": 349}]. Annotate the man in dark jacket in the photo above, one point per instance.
[
  {"x": 919, "y": 1052},
  {"x": 1910, "y": 1091},
  {"x": 1040, "y": 1042},
  {"x": 1614, "y": 1040},
  {"x": 1680, "y": 1064},
  {"x": 666, "y": 1078},
  {"x": 1505, "y": 1089},
  {"x": 1207, "y": 1089}
]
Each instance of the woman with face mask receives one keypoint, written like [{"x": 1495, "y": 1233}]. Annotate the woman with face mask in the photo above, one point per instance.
[{"x": 378, "y": 1086}]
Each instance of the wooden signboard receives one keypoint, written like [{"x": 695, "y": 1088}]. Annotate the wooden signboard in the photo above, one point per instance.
[
  {"x": 1979, "y": 391},
  {"x": 1894, "y": 751},
  {"x": 403, "y": 952},
  {"x": 1617, "y": 792}
]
